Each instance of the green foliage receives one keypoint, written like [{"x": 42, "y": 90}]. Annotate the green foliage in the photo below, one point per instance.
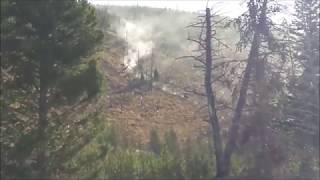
[
  {"x": 171, "y": 142},
  {"x": 84, "y": 78},
  {"x": 145, "y": 165},
  {"x": 198, "y": 160},
  {"x": 302, "y": 105},
  {"x": 104, "y": 158},
  {"x": 46, "y": 34},
  {"x": 140, "y": 165},
  {"x": 17, "y": 152},
  {"x": 108, "y": 139},
  {"x": 241, "y": 164},
  {"x": 85, "y": 161},
  {"x": 43, "y": 39},
  {"x": 299, "y": 119}
]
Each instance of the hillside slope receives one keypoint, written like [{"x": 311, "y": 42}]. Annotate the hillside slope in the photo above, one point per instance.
[{"x": 137, "y": 111}]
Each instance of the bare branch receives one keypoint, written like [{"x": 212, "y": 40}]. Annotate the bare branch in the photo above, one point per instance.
[
  {"x": 217, "y": 22},
  {"x": 195, "y": 24},
  {"x": 199, "y": 66},
  {"x": 193, "y": 57},
  {"x": 198, "y": 41},
  {"x": 195, "y": 92},
  {"x": 225, "y": 45},
  {"x": 228, "y": 61}
]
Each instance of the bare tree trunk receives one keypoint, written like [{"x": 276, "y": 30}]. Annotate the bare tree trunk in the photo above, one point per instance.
[
  {"x": 44, "y": 74},
  {"x": 46, "y": 62},
  {"x": 263, "y": 166},
  {"x": 211, "y": 99},
  {"x": 43, "y": 122},
  {"x": 151, "y": 69},
  {"x": 234, "y": 129},
  {"x": 261, "y": 100}
]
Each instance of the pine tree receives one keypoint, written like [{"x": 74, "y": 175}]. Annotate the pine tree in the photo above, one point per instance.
[
  {"x": 304, "y": 89},
  {"x": 42, "y": 39},
  {"x": 302, "y": 105}
]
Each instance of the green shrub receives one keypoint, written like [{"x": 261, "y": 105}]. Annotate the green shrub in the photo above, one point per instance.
[
  {"x": 101, "y": 159},
  {"x": 83, "y": 79},
  {"x": 107, "y": 139},
  {"x": 129, "y": 164},
  {"x": 198, "y": 160},
  {"x": 171, "y": 142}
]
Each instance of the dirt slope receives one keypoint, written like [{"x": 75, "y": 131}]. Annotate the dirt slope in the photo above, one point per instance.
[{"x": 136, "y": 112}]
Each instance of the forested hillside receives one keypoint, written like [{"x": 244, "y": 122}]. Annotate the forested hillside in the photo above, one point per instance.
[{"x": 129, "y": 92}]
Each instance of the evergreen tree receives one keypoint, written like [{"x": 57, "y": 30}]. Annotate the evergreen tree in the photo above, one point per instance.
[
  {"x": 41, "y": 40},
  {"x": 301, "y": 108}
]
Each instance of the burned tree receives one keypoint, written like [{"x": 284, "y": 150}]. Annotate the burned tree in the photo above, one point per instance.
[
  {"x": 210, "y": 96},
  {"x": 205, "y": 59}
]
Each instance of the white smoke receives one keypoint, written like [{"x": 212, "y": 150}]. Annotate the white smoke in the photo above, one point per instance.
[{"x": 138, "y": 37}]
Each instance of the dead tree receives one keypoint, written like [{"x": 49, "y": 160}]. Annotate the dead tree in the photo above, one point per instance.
[
  {"x": 151, "y": 70},
  {"x": 211, "y": 98},
  {"x": 139, "y": 66},
  {"x": 205, "y": 59},
  {"x": 126, "y": 49}
]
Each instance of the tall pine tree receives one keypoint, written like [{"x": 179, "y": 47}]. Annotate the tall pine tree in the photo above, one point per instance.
[
  {"x": 302, "y": 105},
  {"x": 40, "y": 40}
]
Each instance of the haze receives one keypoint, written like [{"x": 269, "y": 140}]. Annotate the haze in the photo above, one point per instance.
[{"x": 230, "y": 8}]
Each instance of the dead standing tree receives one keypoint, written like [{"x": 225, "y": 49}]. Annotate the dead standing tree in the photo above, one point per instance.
[
  {"x": 205, "y": 60},
  {"x": 210, "y": 96}
]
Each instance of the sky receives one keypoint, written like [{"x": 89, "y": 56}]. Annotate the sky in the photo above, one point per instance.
[{"x": 231, "y": 8}]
